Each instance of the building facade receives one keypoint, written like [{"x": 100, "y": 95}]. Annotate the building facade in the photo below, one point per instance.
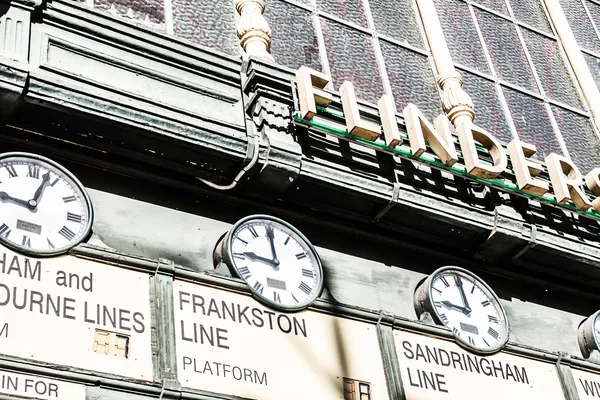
[{"x": 279, "y": 189}]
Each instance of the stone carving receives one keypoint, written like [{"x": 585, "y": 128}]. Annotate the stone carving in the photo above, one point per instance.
[
  {"x": 253, "y": 30},
  {"x": 456, "y": 102}
]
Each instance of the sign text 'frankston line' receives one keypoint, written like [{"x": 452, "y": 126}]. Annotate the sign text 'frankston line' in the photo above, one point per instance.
[{"x": 565, "y": 177}]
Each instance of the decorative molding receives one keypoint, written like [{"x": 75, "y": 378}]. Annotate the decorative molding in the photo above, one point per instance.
[
  {"x": 253, "y": 29},
  {"x": 580, "y": 68},
  {"x": 14, "y": 33},
  {"x": 456, "y": 102}
]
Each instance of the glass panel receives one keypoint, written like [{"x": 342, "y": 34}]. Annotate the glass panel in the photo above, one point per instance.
[
  {"x": 505, "y": 50},
  {"x": 551, "y": 69},
  {"x": 350, "y": 10},
  {"x": 148, "y": 12},
  {"x": 294, "y": 40},
  {"x": 411, "y": 79},
  {"x": 579, "y": 136},
  {"x": 396, "y": 18},
  {"x": 352, "y": 58},
  {"x": 461, "y": 35},
  {"x": 489, "y": 113},
  {"x": 207, "y": 22},
  {"x": 496, "y": 5},
  {"x": 532, "y": 122},
  {"x": 594, "y": 11},
  {"x": 532, "y": 13},
  {"x": 581, "y": 25},
  {"x": 594, "y": 64}
]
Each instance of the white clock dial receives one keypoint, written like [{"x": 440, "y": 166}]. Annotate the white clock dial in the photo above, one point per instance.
[
  {"x": 43, "y": 208},
  {"x": 276, "y": 261},
  {"x": 466, "y": 305}
]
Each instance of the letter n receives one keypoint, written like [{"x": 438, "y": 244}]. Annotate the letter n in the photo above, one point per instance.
[{"x": 439, "y": 137}]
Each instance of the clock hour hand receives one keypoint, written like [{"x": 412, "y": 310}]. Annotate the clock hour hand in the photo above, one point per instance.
[
  {"x": 271, "y": 237},
  {"x": 254, "y": 257},
  {"x": 5, "y": 196},
  {"x": 449, "y": 305},
  {"x": 40, "y": 191}
]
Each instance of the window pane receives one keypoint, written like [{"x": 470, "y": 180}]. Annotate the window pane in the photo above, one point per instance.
[
  {"x": 551, "y": 69},
  {"x": 142, "y": 9},
  {"x": 294, "y": 40},
  {"x": 207, "y": 22},
  {"x": 594, "y": 11},
  {"x": 352, "y": 58},
  {"x": 411, "y": 79},
  {"x": 489, "y": 113},
  {"x": 594, "y": 64},
  {"x": 532, "y": 122},
  {"x": 350, "y": 10},
  {"x": 581, "y": 25},
  {"x": 496, "y": 5},
  {"x": 459, "y": 31},
  {"x": 579, "y": 136},
  {"x": 532, "y": 13},
  {"x": 505, "y": 50},
  {"x": 396, "y": 18}
]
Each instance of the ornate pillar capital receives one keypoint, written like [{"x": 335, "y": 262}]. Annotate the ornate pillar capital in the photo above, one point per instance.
[
  {"x": 456, "y": 102},
  {"x": 253, "y": 29}
]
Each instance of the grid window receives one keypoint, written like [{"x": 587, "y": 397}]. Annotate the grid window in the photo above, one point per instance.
[
  {"x": 584, "y": 19},
  {"x": 516, "y": 73},
  {"x": 378, "y": 45}
]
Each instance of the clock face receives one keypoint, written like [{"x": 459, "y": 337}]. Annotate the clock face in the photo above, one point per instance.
[
  {"x": 465, "y": 304},
  {"x": 277, "y": 262},
  {"x": 43, "y": 208}
]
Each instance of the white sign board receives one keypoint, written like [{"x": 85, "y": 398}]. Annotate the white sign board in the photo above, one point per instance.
[
  {"x": 35, "y": 387},
  {"x": 229, "y": 343},
  {"x": 434, "y": 369},
  {"x": 51, "y": 309},
  {"x": 588, "y": 384}
]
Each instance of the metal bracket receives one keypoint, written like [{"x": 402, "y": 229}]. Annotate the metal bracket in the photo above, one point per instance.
[
  {"x": 531, "y": 244},
  {"x": 391, "y": 204}
]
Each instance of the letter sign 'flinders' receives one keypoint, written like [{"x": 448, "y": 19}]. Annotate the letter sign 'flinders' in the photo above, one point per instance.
[{"x": 564, "y": 176}]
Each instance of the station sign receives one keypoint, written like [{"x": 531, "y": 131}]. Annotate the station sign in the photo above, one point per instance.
[
  {"x": 482, "y": 157},
  {"x": 27, "y": 386},
  {"x": 434, "y": 369},
  {"x": 75, "y": 312},
  {"x": 587, "y": 383},
  {"x": 229, "y": 343}
]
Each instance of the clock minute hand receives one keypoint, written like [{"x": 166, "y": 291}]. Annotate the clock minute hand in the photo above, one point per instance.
[
  {"x": 40, "y": 190},
  {"x": 271, "y": 237},
  {"x": 459, "y": 284},
  {"x": 6, "y": 196}
]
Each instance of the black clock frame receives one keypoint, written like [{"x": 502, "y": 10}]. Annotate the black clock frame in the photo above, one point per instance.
[
  {"x": 226, "y": 255},
  {"x": 86, "y": 199},
  {"x": 423, "y": 303}
]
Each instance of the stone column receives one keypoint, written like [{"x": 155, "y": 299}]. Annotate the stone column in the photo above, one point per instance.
[
  {"x": 456, "y": 102},
  {"x": 253, "y": 29}
]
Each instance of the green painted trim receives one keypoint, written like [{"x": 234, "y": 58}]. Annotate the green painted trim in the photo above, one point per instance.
[{"x": 428, "y": 158}]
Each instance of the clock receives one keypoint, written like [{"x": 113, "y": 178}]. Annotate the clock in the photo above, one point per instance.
[
  {"x": 588, "y": 334},
  {"x": 277, "y": 262},
  {"x": 461, "y": 301},
  {"x": 44, "y": 209}
]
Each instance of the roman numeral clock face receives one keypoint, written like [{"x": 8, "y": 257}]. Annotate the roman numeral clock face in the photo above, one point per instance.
[
  {"x": 277, "y": 262},
  {"x": 465, "y": 304},
  {"x": 44, "y": 210}
]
